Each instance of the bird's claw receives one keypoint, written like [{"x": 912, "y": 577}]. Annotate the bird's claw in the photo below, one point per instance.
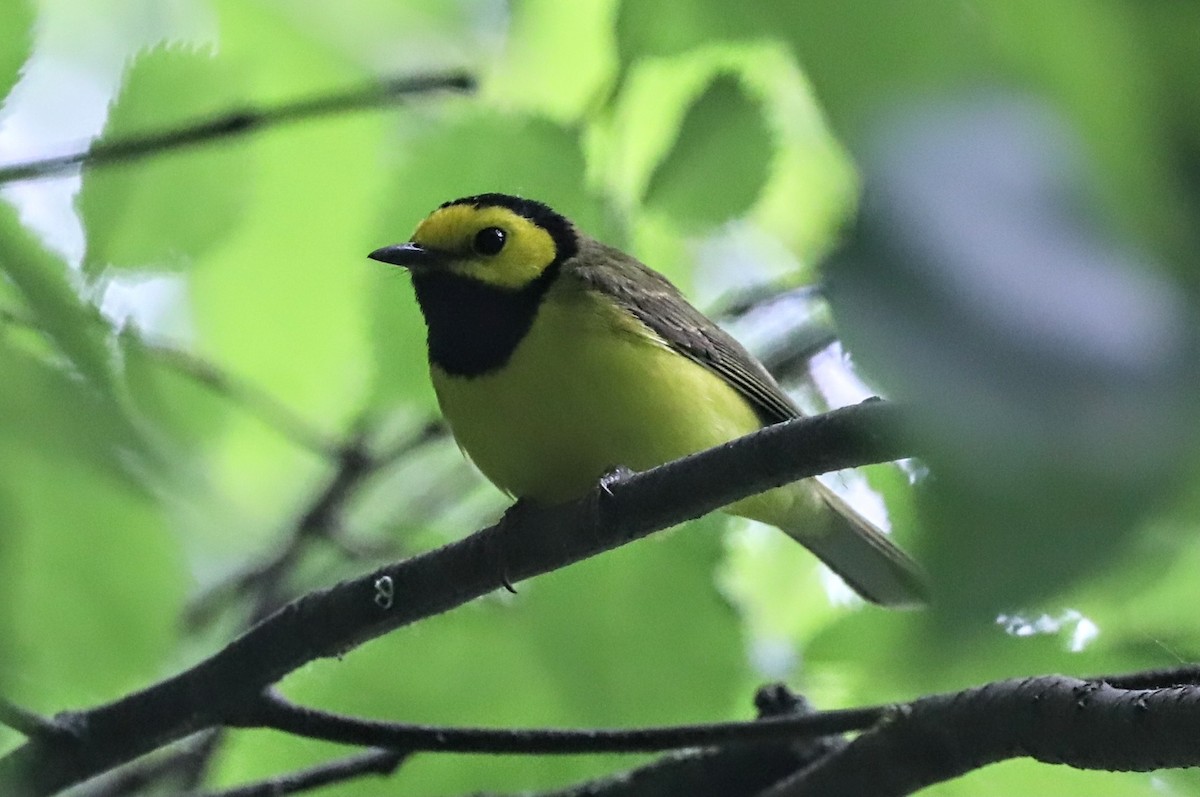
[
  {"x": 613, "y": 476},
  {"x": 512, "y": 515}
]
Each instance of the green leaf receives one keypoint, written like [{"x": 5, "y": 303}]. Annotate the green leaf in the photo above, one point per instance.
[
  {"x": 558, "y": 59},
  {"x": 97, "y": 582},
  {"x": 1121, "y": 72},
  {"x": 719, "y": 163},
  {"x": 1142, "y": 606},
  {"x": 8, "y": 620},
  {"x": 92, "y": 578},
  {"x": 863, "y": 57},
  {"x": 163, "y": 211},
  {"x": 45, "y": 409},
  {"x": 857, "y": 54},
  {"x": 770, "y": 144},
  {"x": 16, "y": 41},
  {"x": 177, "y": 400},
  {"x": 642, "y": 30},
  {"x": 43, "y": 281},
  {"x": 280, "y": 303}
]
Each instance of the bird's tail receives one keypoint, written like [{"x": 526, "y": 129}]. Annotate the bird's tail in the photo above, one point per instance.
[{"x": 849, "y": 544}]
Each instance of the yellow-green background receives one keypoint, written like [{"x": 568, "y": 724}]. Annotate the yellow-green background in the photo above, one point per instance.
[{"x": 126, "y": 489}]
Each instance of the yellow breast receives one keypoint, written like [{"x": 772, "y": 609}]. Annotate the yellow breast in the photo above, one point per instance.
[{"x": 588, "y": 388}]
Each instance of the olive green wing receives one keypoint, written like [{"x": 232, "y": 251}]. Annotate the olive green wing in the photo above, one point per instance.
[
  {"x": 652, "y": 299},
  {"x": 847, "y": 542}
]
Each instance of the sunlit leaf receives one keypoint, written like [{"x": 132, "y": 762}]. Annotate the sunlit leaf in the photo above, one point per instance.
[
  {"x": 57, "y": 308},
  {"x": 392, "y": 37},
  {"x": 797, "y": 187},
  {"x": 857, "y": 54},
  {"x": 16, "y": 39},
  {"x": 44, "y": 409},
  {"x": 559, "y": 57},
  {"x": 641, "y": 31},
  {"x": 92, "y": 578},
  {"x": 279, "y": 304},
  {"x": 162, "y": 212},
  {"x": 97, "y": 582}
]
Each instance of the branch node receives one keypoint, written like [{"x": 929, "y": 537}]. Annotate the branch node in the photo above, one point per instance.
[
  {"x": 777, "y": 700},
  {"x": 34, "y": 726}
]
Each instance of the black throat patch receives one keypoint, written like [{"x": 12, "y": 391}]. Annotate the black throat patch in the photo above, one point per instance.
[{"x": 475, "y": 328}]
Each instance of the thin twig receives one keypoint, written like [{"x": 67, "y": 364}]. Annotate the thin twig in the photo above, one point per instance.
[
  {"x": 182, "y": 767},
  {"x": 430, "y": 431},
  {"x": 274, "y": 712},
  {"x": 372, "y": 762},
  {"x": 249, "y": 396},
  {"x": 736, "y": 769},
  {"x": 738, "y": 303},
  {"x": 27, "y": 723},
  {"x": 806, "y": 335},
  {"x": 265, "y": 578},
  {"x": 319, "y": 522},
  {"x": 237, "y": 123}
]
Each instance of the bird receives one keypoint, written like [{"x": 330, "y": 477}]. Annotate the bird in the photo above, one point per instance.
[{"x": 557, "y": 358}]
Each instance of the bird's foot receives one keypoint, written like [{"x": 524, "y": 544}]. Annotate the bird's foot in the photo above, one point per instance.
[
  {"x": 612, "y": 476},
  {"x": 603, "y": 492}
]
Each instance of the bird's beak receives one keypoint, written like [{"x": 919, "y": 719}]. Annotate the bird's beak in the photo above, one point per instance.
[{"x": 409, "y": 255}]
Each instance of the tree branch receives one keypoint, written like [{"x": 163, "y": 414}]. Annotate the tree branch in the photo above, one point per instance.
[
  {"x": 355, "y": 463},
  {"x": 237, "y": 123},
  {"x": 251, "y": 398},
  {"x": 276, "y": 713},
  {"x": 727, "y": 771},
  {"x": 27, "y": 723},
  {"x": 321, "y": 520},
  {"x": 1053, "y": 719},
  {"x": 181, "y": 766},
  {"x": 329, "y": 622}
]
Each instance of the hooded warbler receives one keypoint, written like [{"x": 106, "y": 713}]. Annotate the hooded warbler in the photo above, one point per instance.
[{"x": 556, "y": 358}]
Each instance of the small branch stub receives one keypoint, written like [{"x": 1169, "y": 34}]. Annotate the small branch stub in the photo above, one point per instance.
[{"x": 385, "y": 592}]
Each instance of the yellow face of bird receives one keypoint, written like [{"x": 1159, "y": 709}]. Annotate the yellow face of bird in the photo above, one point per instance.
[{"x": 482, "y": 240}]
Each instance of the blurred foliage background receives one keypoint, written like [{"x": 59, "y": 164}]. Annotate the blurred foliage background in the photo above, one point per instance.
[{"x": 1005, "y": 198}]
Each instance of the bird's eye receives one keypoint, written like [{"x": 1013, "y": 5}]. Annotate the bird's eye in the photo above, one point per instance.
[{"x": 488, "y": 241}]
